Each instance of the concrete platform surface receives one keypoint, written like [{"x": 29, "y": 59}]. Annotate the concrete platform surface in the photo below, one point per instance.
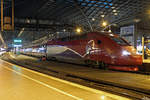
[
  {"x": 129, "y": 80},
  {"x": 18, "y": 83}
]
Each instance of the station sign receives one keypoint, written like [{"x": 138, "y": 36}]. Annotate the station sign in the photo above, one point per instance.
[
  {"x": 17, "y": 41},
  {"x": 17, "y": 45}
]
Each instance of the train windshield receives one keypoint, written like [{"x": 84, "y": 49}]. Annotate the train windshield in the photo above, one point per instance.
[{"x": 119, "y": 40}]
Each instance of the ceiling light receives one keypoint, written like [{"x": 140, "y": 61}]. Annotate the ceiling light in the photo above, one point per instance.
[
  {"x": 116, "y": 14},
  {"x": 114, "y": 10},
  {"x": 112, "y": 7},
  {"x": 102, "y": 15},
  {"x": 78, "y": 30},
  {"x": 104, "y": 23},
  {"x": 109, "y": 31},
  {"x": 64, "y": 30},
  {"x": 93, "y": 19}
]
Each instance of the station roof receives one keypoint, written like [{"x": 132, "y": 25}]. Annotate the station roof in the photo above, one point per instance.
[
  {"x": 79, "y": 12},
  {"x": 56, "y": 15}
]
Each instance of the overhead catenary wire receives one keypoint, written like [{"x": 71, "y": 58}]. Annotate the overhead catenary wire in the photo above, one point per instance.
[{"x": 87, "y": 19}]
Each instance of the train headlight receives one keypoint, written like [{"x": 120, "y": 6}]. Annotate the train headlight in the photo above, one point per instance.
[
  {"x": 139, "y": 53},
  {"x": 126, "y": 53}
]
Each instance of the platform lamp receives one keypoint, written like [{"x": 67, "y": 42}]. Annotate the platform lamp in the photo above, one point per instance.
[
  {"x": 104, "y": 23},
  {"x": 78, "y": 30}
]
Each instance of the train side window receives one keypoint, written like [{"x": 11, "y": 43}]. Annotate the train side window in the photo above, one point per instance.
[{"x": 99, "y": 41}]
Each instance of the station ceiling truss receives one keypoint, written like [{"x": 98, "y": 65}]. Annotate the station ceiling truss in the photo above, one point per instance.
[{"x": 56, "y": 15}]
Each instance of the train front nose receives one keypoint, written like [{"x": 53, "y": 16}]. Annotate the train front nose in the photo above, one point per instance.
[
  {"x": 133, "y": 60},
  {"x": 130, "y": 57},
  {"x": 127, "y": 62}
]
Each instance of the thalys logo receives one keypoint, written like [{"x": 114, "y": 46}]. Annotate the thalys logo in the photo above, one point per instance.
[{"x": 90, "y": 47}]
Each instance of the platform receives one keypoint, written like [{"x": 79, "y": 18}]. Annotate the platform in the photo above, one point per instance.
[
  {"x": 146, "y": 61},
  {"x": 123, "y": 79},
  {"x": 18, "y": 83}
]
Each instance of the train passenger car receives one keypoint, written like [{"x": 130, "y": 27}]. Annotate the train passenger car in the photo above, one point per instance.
[
  {"x": 105, "y": 50},
  {"x": 36, "y": 51}
]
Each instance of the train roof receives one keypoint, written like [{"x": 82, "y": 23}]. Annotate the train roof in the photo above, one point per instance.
[
  {"x": 83, "y": 36},
  {"x": 107, "y": 34}
]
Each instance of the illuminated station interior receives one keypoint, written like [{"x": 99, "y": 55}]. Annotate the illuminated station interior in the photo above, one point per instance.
[{"x": 75, "y": 50}]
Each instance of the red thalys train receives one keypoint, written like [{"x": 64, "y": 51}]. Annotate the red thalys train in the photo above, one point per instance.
[{"x": 102, "y": 49}]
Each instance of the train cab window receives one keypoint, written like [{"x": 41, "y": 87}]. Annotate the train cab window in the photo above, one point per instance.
[
  {"x": 119, "y": 40},
  {"x": 99, "y": 41}
]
